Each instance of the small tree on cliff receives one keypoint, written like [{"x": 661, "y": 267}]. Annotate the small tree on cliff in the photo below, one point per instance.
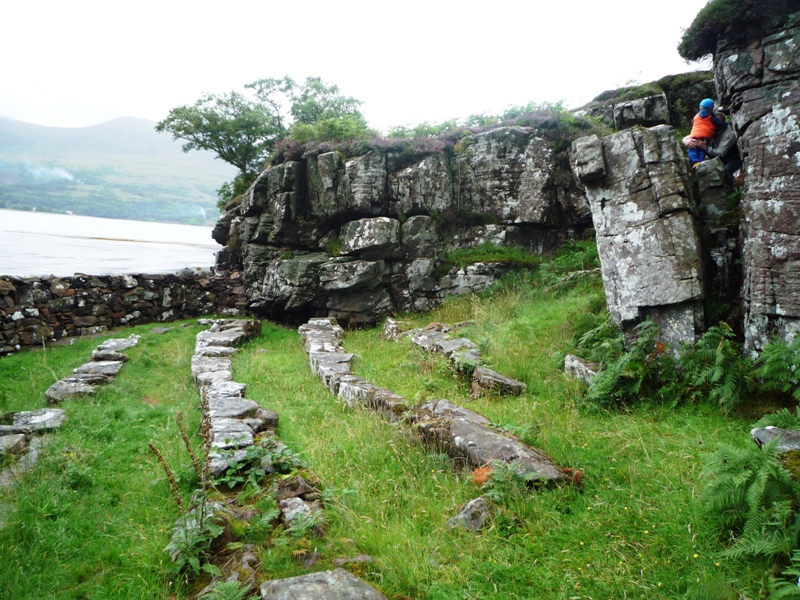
[{"x": 243, "y": 129}]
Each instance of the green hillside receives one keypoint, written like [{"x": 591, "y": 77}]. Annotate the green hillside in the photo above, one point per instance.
[{"x": 119, "y": 169}]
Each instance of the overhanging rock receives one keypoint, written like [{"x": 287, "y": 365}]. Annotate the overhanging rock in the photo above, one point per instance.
[{"x": 644, "y": 215}]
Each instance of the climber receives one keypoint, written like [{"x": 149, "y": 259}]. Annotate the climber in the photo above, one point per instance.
[
  {"x": 725, "y": 147},
  {"x": 703, "y": 130}
]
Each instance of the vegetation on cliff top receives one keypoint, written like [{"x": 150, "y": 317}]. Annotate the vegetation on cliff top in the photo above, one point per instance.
[
  {"x": 279, "y": 120},
  {"x": 666, "y": 84},
  {"x": 553, "y": 122},
  {"x": 243, "y": 129},
  {"x": 734, "y": 20}
]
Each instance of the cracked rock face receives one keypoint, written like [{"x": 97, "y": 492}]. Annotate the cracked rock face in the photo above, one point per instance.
[
  {"x": 643, "y": 211},
  {"x": 358, "y": 239},
  {"x": 760, "y": 83}
]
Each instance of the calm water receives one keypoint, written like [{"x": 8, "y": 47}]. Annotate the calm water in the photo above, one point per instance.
[{"x": 33, "y": 243}]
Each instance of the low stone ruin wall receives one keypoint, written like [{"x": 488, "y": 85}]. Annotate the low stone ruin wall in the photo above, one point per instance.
[{"x": 34, "y": 310}]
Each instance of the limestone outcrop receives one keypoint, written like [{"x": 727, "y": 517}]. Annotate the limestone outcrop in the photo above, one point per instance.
[
  {"x": 758, "y": 77},
  {"x": 643, "y": 209},
  {"x": 362, "y": 238}
]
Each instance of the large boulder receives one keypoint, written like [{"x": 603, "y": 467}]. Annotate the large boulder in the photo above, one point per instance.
[{"x": 643, "y": 212}]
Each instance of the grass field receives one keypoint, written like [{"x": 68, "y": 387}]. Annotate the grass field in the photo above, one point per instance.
[{"x": 92, "y": 519}]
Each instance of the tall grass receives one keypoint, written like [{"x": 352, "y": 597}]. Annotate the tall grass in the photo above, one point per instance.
[{"x": 93, "y": 518}]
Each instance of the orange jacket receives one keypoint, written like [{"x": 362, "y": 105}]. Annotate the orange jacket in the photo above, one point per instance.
[{"x": 703, "y": 127}]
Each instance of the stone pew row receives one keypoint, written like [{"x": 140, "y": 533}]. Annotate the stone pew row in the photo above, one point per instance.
[
  {"x": 465, "y": 435},
  {"x": 21, "y": 433},
  {"x": 462, "y": 352},
  {"x": 107, "y": 361},
  {"x": 231, "y": 424}
]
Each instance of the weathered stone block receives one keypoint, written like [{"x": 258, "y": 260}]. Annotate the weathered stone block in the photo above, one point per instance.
[
  {"x": 324, "y": 585},
  {"x": 377, "y": 237}
]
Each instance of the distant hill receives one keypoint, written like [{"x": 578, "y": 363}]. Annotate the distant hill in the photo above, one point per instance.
[{"x": 119, "y": 169}]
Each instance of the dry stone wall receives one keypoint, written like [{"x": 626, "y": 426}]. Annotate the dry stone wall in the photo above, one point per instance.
[{"x": 34, "y": 310}]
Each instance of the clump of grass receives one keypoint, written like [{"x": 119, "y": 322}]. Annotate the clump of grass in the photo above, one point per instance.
[{"x": 488, "y": 252}]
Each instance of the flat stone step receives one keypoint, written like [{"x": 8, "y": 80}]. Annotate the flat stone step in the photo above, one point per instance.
[
  {"x": 119, "y": 344},
  {"x": 229, "y": 338},
  {"x": 66, "y": 390},
  {"x": 107, "y": 368},
  {"x": 32, "y": 421}
]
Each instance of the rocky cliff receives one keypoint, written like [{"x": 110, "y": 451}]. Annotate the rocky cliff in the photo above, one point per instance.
[
  {"x": 364, "y": 237},
  {"x": 758, "y": 78}
]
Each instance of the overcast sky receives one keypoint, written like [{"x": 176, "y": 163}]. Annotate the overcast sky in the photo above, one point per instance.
[{"x": 83, "y": 62}]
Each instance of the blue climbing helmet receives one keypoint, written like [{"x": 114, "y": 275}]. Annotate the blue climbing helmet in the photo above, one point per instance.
[{"x": 707, "y": 103}]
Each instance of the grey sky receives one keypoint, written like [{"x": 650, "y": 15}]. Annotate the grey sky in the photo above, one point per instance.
[{"x": 85, "y": 61}]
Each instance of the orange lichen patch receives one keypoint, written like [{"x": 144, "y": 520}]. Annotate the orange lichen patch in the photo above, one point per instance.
[{"x": 481, "y": 475}]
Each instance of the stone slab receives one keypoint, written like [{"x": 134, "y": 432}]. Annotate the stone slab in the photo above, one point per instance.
[
  {"x": 324, "y": 585},
  {"x": 230, "y": 433},
  {"x": 66, "y": 390},
  {"x": 482, "y": 445},
  {"x": 201, "y": 364},
  {"x": 448, "y": 347},
  {"x": 214, "y": 351},
  {"x": 473, "y": 516},
  {"x": 118, "y": 344},
  {"x": 109, "y": 355},
  {"x": 229, "y": 338},
  {"x": 209, "y": 377},
  {"x": 107, "y": 368},
  {"x": 579, "y": 369},
  {"x": 231, "y": 407},
  {"x": 487, "y": 379},
  {"x": 789, "y": 439},
  {"x": 230, "y": 389},
  {"x": 14, "y": 443}
]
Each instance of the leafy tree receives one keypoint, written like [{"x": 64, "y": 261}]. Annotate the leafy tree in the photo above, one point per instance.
[{"x": 244, "y": 130}]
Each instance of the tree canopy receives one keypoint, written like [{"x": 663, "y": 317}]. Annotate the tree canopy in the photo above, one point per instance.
[{"x": 243, "y": 128}]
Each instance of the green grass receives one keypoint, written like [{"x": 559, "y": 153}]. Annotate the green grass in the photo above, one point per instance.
[{"x": 94, "y": 517}]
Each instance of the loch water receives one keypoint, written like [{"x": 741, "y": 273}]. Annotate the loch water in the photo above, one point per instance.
[{"x": 40, "y": 244}]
